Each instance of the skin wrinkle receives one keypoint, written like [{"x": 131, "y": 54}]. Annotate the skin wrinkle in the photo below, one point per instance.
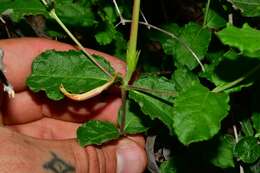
[
  {"x": 101, "y": 160},
  {"x": 80, "y": 158}
]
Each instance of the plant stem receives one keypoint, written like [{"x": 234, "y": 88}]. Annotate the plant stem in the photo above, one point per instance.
[
  {"x": 131, "y": 59},
  {"x": 123, "y": 108},
  {"x": 206, "y": 13},
  {"x": 235, "y": 82},
  {"x": 132, "y": 55}
]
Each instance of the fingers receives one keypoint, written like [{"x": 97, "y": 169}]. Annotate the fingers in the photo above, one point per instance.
[
  {"x": 19, "y": 54},
  {"x": 27, "y": 107},
  {"x": 25, "y": 154}
]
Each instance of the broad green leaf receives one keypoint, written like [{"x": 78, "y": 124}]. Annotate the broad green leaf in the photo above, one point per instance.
[
  {"x": 72, "y": 69},
  {"x": 153, "y": 107},
  {"x": 256, "y": 121},
  {"x": 246, "y": 39},
  {"x": 168, "y": 166},
  {"x": 159, "y": 87},
  {"x": 184, "y": 78},
  {"x": 247, "y": 128},
  {"x": 214, "y": 20},
  {"x": 96, "y": 132},
  {"x": 249, "y": 8},
  {"x": 223, "y": 152},
  {"x": 135, "y": 121},
  {"x": 197, "y": 38},
  {"x": 70, "y": 12},
  {"x": 153, "y": 102},
  {"x": 247, "y": 149},
  {"x": 198, "y": 113}
]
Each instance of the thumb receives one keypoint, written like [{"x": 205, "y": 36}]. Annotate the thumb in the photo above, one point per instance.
[
  {"x": 123, "y": 156},
  {"x": 26, "y": 154}
]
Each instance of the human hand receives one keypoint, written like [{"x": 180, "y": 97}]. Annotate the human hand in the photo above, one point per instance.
[{"x": 39, "y": 134}]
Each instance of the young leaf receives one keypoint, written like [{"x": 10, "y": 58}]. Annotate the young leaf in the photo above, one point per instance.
[
  {"x": 72, "y": 69},
  {"x": 195, "y": 37},
  {"x": 134, "y": 122},
  {"x": 249, "y": 8},
  {"x": 223, "y": 152},
  {"x": 247, "y": 149},
  {"x": 214, "y": 20},
  {"x": 198, "y": 113},
  {"x": 246, "y": 38},
  {"x": 96, "y": 132}
]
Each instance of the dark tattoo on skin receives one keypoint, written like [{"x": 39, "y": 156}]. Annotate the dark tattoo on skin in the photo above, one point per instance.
[{"x": 57, "y": 165}]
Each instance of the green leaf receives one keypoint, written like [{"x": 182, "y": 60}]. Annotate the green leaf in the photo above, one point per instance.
[
  {"x": 197, "y": 38},
  {"x": 69, "y": 12},
  {"x": 21, "y": 8},
  {"x": 72, "y": 69},
  {"x": 247, "y": 149},
  {"x": 184, "y": 78},
  {"x": 198, "y": 113},
  {"x": 214, "y": 20},
  {"x": 159, "y": 87},
  {"x": 247, "y": 128},
  {"x": 246, "y": 39},
  {"x": 223, "y": 152},
  {"x": 135, "y": 121},
  {"x": 168, "y": 166},
  {"x": 150, "y": 102},
  {"x": 74, "y": 14},
  {"x": 249, "y": 8},
  {"x": 107, "y": 35},
  {"x": 96, "y": 132}
]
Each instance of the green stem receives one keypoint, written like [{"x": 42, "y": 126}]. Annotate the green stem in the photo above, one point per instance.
[
  {"x": 53, "y": 14},
  {"x": 132, "y": 55},
  {"x": 131, "y": 58},
  {"x": 206, "y": 13},
  {"x": 235, "y": 82}
]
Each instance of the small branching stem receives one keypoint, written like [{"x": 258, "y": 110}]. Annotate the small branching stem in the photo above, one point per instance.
[
  {"x": 172, "y": 36},
  {"x": 118, "y": 12},
  {"x": 237, "y": 81}
]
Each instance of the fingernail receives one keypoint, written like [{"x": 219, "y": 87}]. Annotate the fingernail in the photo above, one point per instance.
[{"x": 129, "y": 159}]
